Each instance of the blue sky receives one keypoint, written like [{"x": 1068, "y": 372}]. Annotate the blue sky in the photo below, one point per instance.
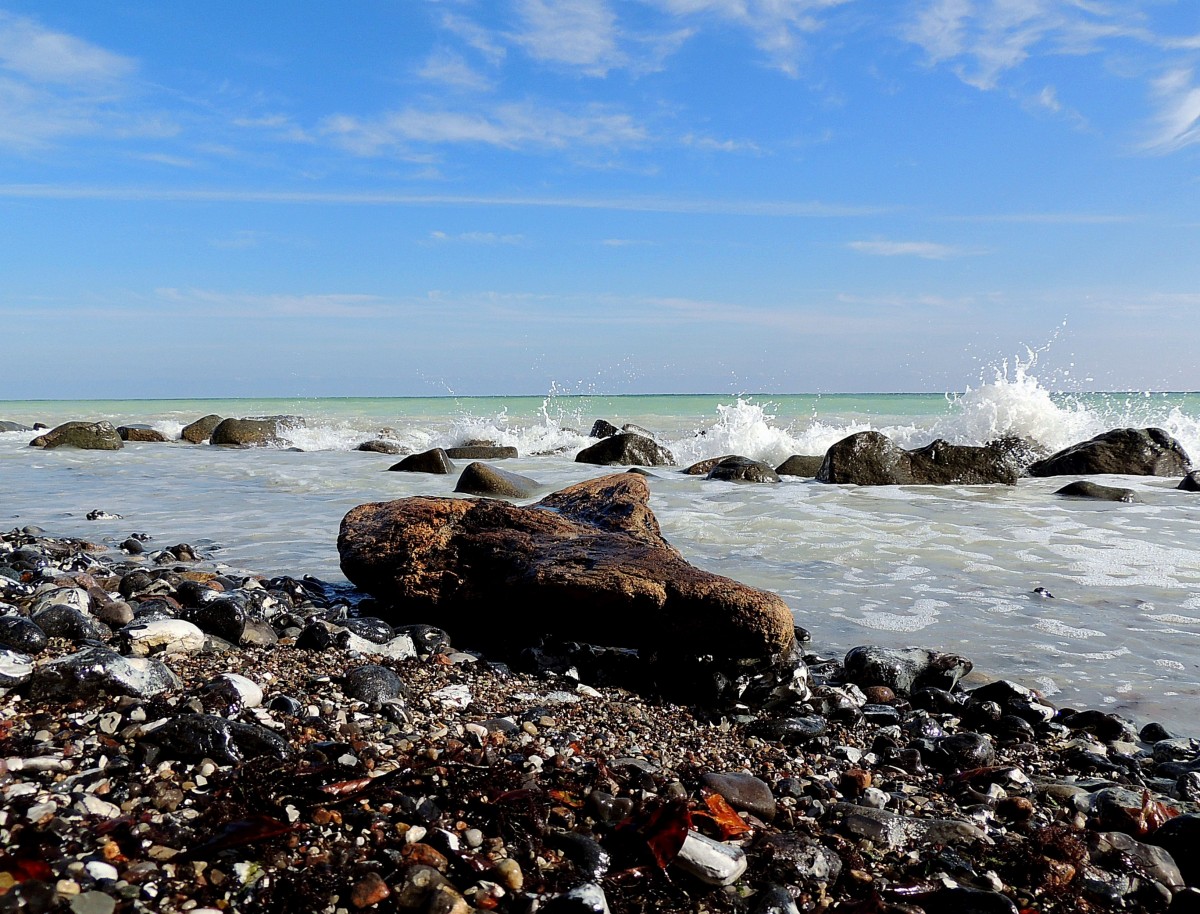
[{"x": 419, "y": 197}]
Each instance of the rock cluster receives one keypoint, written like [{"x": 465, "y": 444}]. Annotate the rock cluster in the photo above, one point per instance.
[{"x": 349, "y": 765}]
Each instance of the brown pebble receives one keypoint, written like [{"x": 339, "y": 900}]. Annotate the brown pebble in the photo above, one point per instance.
[
  {"x": 424, "y": 855},
  {"x": 509, "y": 875},
  {"x": 369, "y": 890},
  {"x": 1015, "y": 809},
  {"x": 855, "y": 781},
  {"x": 879, "y": 695}
]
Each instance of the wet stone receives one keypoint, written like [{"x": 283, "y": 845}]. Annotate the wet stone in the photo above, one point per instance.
[
  {"x": 16, "y": 669},
  {"x": 963, "y": 751},
  {"x": 903, "y": 669},
  {"x": 583, "y": 899},
  {"x": 372, "y": 684},
  {"x": 99, "y": 670},
  {"x": 369, "y": 890},
  {"x": 798, "y": 858},
  {"x": 1180, "y": 837},
  {"x": 793, "y": 730},
  {"x": 743, "y": 791},
  {"x": 21, "y": 634},
  {"x": 58, "y": 620},
  {"x": 712, "y": 862},
  {"x": 169, "y": 636},
  {"x": 222, "y": 617},
  {"x": 370, "y": 628},
  {"x": 192, "y": 737}
]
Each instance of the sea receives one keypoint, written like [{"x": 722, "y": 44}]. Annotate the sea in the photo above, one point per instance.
[{"x": 1095, "y": 604}]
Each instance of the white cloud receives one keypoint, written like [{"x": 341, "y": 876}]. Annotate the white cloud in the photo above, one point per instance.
[
  {"x": 447, "y": 68},
  {"x": 580, "y": 33},
  {"x": 509, "y": 126},
  {"x": 53, "y": 86},
  {"x": 1178, "y": 119},
  {"x": 40, "y": 55},
  {"x": 927, "y": 250},
  {"x": 778, "y": 27},
  {"x": 251, "y": 306},
  {"x": 476, "y": 238}
]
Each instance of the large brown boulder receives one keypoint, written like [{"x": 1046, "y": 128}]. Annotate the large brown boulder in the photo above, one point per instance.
[
  {"x": 585, "y": 564},
  {"x": 92, "y": 436},
  {"x": 201, "y": 430},
  {"x": 873, "y": 459},
  {"x": 1122, "y": 451}
]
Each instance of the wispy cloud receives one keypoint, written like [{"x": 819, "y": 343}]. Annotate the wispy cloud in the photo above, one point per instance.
[
  {"x": 250, "y": 306},
  {"x": 580, "y": 33},
  {"x": 54, "y": 85},
  {"x": 513, "y": 126},
  {"x": 448, "y": 68},
  {"x": 927, "y": 250},
  {"x": 700, "y": 207},
  {"x": 779, "y": 27},
  {"x": 475, "y": 238},
  {"x": 1178, "y": 120}
]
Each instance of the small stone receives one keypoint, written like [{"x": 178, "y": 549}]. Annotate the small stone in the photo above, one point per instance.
[
  {"x": 712, "y": 862},
  {"x": 743, "y": 791},
  {"x": 369, "y": 890},
  {"x": 588, "y": 898},
  {"x": 93, "y": 903},
  {"x": 372, "y": 684},
  {"x": 509, "y": 875},
  {"x": 168, "y": 636}
]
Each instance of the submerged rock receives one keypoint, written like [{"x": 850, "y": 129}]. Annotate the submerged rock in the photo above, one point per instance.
[
  {"x": 201, "y": 430},
  {"x": 266, "y": 431},
  {"x": 382, "y": 446},
  {"x": 481, "y": 452},
  {"x": 1096, "y": 492},
  {"x": 587, "y": 563},
  {"x": 434, "y": 461},
  {"x": 140, "y": 433},
  {"x": 742, "y": 469},
  {"x": 92, "y": 436},
  {"x": 481, "y": 479},
  {"x": 873, "y": 459},
  {"x": 800, "y": 465},
  {"x": 1122, "y": 451},
  {"x": 626, "y": 449},
  {"x": 1190, "y": 482}
]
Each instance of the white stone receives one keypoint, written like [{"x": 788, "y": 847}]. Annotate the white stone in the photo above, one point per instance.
[
  {"x": 91, "y": 805},
  {"x": 249, "y": 692},
  {"x": 99, "y": 870},
  {"x": 711, "y": 861},
  {"x": 172, "y": 636},
  {"x": 454, "y": 696}
]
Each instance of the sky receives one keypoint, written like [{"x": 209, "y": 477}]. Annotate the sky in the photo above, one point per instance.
[{"x": 423, "y": 197}]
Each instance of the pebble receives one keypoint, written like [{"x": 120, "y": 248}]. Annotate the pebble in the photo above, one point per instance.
[
  {"x": 369, "y": 890},
  {"x": 95, "y": 670},
  {"x": 168, "y": 636},
  {"x": 743, "y": 791},
  {"x": 21, "y": 635},
  {"x": 713, "y": 862},
  {"x": 93, "y": 903},
  {"x": 372, "y": 684}
]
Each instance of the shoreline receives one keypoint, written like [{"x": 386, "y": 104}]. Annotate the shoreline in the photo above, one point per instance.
[{"x": 447, "y": 781}]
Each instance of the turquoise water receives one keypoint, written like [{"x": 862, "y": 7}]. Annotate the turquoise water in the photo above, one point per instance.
[{"x": 951, "y": 567}]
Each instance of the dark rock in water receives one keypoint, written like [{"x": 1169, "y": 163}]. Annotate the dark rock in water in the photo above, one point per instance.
[
  {"x": 904, "y": 669},
  {"x": 1096, "y": 492},
  {"x": 372, "y": 684},
  {"x": 1180, "y": 837},
  {"x": 98, "y": 670},
  {"x": 201, "y": 430},
  {"x": 101, "y": 514},
  {"x": 61, "y": 621},
  {"x": 222, "y": 617},
  {"x": 6, "y": 426},
  {"x": 702, "y": 467},
  {"x": 132, "y": 546},
  {"x": 626, "y": 449},
  {"x": 800, "y": 465},
  {"x": 140, "y": 433},
  {"x": 265, "y": 431},
  {"x": 1153, "y": 732},
  {"x": 1106, "y": 726},
  {"x": 1017, "y": 699},
  {"x": 594, "y": 547},
  {"x": 1021, "y": 451},
  {"x": 93, "y": 436},
  {"x": 22, "y": 635},
  {"x": 873, "y": 459},
  {"x": 602, "y": 428},
  {"x": 432, "y": 461},
  {"x": 742, "y": 791},
  {"x": 1191, "y": 482},
  {"x": 382, "y": 446},
  {"x": 964, "y": 751},
  {"x": 481, "y": 452},
  {"x": 481, "y": 479},
  {"x": 1122, "y": 451},
  {"x": 370, "y": 629},
  {"x": 192, "y": 737},
  {"x": 743, "y": 469}
]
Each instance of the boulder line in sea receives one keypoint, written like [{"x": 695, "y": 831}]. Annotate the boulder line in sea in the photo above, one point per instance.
[{"x": 308, "y": 758}]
